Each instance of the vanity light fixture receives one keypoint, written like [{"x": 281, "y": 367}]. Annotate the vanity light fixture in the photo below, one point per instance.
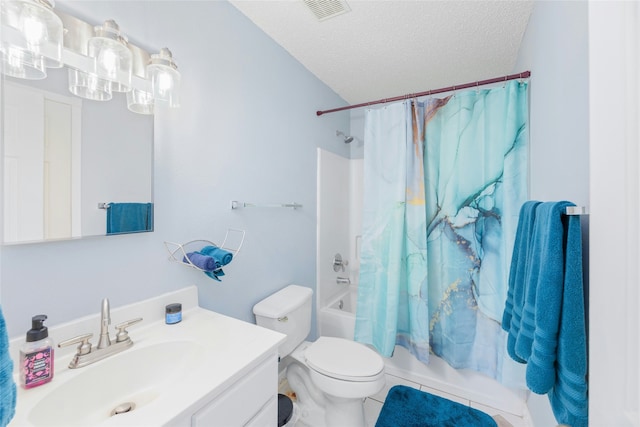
[
  {"x": 89, "y": 86},
  {"x": 100, "y": 58},
  {"x": 165, "y": 78},
  {"x": 112, "y": 56},
  {"x": 140, "y": 101},
  {"x": 34, "y": 41}
]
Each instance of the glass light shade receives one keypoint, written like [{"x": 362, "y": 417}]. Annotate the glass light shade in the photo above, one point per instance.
[
  {"x": 89, "y": 86},
  {"x": 22, "y": 64},
  {"x": 140, "y": 101},
  {"x": 113, "y": 58},
  {"x": 165, "y": 79},
  {"x": 40, "y": 31}
]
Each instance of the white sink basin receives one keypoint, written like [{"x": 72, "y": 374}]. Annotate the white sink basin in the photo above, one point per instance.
[
  {"x": 169, "y": 374},
  {"x": 117, "y": 386}
]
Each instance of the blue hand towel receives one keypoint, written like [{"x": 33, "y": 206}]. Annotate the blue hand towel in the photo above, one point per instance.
[
  {"x": 520, "y": 262},
  {"x": 129, "y": 217},
  {"x": 221, "y": 257},
  {"x": 203, "y": 262},
  {"x": 7, "y": 385}
]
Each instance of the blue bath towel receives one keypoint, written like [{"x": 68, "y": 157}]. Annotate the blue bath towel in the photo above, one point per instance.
[
  {"x": 543, "y": 297},
  {"x": 543, "y": 301},
  {"x": 551, "y": 337},
  {"x": 129, "y": 217},
  {"x": 568, "y": 365},
  {"x": 520, "y": 262},
  {"x": 7, "y": 385}
]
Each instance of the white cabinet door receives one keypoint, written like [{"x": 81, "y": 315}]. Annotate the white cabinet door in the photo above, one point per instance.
[{"x": 243, "y": 401}]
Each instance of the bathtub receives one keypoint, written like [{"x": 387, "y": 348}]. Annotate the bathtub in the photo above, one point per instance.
[{"x": 338, "y": 319}]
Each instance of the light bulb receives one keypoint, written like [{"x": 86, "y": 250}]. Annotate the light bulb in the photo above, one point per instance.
[
  {"x": 34, "y": 31},
  {"x": 165, "y": 79},
  {"x": 113, "y": 57}
]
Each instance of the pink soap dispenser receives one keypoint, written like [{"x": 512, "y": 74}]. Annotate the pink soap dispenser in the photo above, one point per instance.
[{"x": 36, "y": 355}]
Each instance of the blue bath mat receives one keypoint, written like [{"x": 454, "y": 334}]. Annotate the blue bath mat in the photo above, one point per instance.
[{"x": 408, "y": 407}]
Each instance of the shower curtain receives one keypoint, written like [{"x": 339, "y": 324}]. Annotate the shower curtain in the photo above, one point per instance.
[{"x": 443, "y": 183}]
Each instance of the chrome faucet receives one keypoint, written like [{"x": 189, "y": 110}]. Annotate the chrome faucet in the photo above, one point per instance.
[
  {"x": 105, "y": 321},
  {"x": 87, "y": 355}
]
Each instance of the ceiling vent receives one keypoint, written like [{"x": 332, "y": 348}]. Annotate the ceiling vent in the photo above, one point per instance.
[{"x": 325, "y": 9}]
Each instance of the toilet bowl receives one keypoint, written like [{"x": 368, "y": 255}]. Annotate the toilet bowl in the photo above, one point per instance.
[
  {"x": 344, "y": 368},
  {"x": 331, "y": 376}
]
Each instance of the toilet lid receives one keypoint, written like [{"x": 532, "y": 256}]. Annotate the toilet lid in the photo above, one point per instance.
[{"x": 343, "y": 359}]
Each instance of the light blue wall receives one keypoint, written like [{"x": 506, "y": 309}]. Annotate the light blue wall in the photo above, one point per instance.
[
  {"x": 555, "y": 50},
  {"x": 247, "y": 131}
]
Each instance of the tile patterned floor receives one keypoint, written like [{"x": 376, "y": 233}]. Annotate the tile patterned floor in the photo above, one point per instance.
[{"x": 373, "y": 404}]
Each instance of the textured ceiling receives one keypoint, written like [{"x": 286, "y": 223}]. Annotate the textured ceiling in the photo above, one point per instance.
[{"x": 386, "y": 48}]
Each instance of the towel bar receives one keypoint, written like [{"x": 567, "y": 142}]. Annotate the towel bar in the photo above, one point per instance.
[
  {"x": 577, "y": 210},
  {"x": 237, "y": 205}
]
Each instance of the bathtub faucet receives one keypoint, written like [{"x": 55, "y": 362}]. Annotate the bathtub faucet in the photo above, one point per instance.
[
  {"x": 339, "y": 263},
  {"x": 343, "y": 280}
]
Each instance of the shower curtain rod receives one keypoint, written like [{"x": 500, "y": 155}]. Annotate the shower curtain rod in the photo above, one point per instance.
[{"x": 522, "y": 75}]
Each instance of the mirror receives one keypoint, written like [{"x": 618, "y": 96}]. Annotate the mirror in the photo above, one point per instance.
[{"x": 71, "y": 165}]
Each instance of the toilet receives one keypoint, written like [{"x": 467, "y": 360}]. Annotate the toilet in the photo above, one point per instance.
[{"x": 331, "y": 376}]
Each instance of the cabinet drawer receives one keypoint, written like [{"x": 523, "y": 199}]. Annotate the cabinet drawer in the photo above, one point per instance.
[
  {"x": 238, "y": 404},
  {"x": 267, "y": 417}
]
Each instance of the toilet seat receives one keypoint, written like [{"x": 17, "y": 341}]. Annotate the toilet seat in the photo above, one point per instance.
[{"x": 344, "y": 360}]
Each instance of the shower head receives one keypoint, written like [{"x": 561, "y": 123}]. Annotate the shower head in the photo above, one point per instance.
[{"x": 347, "y": 139}]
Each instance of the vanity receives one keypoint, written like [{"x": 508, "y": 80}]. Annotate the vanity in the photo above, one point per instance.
[{"x": 206, "y": 370}]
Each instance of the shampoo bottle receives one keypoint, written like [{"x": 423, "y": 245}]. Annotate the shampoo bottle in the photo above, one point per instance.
[{"x": 36, "y": 355}]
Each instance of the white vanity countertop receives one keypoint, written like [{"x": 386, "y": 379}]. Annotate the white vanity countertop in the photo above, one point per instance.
[{"x": 218, "y": 350}]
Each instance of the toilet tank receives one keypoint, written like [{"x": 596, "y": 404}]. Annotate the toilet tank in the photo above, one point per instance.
[{"x": 287, "y": 311}]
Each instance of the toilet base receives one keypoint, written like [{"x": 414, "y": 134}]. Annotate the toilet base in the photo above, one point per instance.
[
  {"x": 345, "y": 412},
  {"x": 315, "y": 408}
]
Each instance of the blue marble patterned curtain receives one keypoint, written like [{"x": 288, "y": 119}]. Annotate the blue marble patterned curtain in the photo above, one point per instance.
[
  {"x": 392, "y": 305},
  {"x": 475, "y": 155}
]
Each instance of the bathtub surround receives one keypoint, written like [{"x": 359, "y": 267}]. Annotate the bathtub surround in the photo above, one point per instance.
[{"x": 436, "y": 244}]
